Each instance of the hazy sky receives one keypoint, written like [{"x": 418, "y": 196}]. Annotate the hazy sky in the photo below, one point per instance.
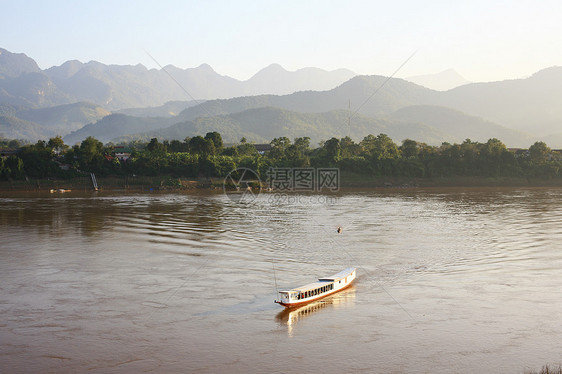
[{"x": 482, "y": 40}]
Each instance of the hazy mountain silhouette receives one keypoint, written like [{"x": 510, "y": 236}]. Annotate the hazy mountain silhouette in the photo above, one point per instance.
[
  {"x": 124, "y": 86},
  {"x": 15, "y": 128},
  {"x": 422, "y": 123},
  {"x": 355, "y": 94},
  {"x": 476, "y": 110},
  {"x": 442, "y": 81},
  {"x": 34, "y": 90},
  {"x": 116, "y": 125},
  {"x": 43, "y": 123},
  {"x": 398, "y": 102},
  {"x": 264, "y": 124},
  {"x": 64, "y": 118},
  {"x": 169, "y": 109},
  {"x": 459, "y": 126},
  {"x": 287, "y": 82},
  {"x": 532, "y": 104}
]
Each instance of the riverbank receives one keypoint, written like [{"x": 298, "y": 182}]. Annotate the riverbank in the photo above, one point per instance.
[
  {"x": 138, "y": 183},
  {"x": 351, "y": 180},
  {"x": 167, "y": 183}
]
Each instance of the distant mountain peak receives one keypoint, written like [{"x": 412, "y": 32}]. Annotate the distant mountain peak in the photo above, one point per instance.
[
  {"x": 14, "y": 64},
  {"x": 270, "y": 70},
  {"x": 552, "y": 70},
  {"x": 205, "y": 67},
  {"x": 275, "y": 66},
  {"x": 66, "y": 70}
]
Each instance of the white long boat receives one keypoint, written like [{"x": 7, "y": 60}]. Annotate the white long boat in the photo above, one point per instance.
[{"x": 317, "y": 290}]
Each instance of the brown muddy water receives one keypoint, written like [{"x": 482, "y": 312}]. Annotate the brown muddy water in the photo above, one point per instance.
[{"x": 449, "y": 281}]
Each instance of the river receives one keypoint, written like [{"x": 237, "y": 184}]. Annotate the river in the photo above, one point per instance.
[{"x": 450, "y": 280}]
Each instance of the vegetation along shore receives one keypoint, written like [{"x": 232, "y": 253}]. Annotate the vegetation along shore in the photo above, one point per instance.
[{"x": 203, "y": 162}]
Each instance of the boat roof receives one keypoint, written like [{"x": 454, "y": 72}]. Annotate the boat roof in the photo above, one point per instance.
[
  {"x": 342, "y": 274},
  {"x": 322, "y": 281}
]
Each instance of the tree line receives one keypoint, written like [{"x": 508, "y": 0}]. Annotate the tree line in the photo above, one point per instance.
[{"x": 208, "y": 156}]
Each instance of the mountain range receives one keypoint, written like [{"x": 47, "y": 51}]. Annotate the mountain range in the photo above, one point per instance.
[
  {"x": 114, "y": 87},
  {"x": 400, "y": 109},
  {"x": 116, "y": 103}
]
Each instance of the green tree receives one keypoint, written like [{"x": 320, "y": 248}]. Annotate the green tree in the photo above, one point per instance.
[
  {"x": 201, "y": 146},
  {"x": 539, "y": 152},
  {"x": 409, "y": 149},
  {"x": 492, "y": 153},
  {"x": 155, "y": 146},
  {"x": 385, "y": 147},
  {"x": 177, "y": 146},
  {"x": 367, "y": 144},
  {"x": 14, "y": 143},
  {"x": 333, "y": 150},
  {"x": 216, "y": 138},
  {"x": 245, "y": 149},
  {"x": 296, "y": 153},
  {"x": 379, "y": 147},
  {"x": 493, "y": 149},
  {"x": 57, "y": 145},
  {"x": 37, "y": 160},
  {"x": 349, "y": 147},
  {"x": 230, "y": 151},
  {"x": 11, "y": 168},
  {"x": 279, "y": 147},
  {"x": 90, "y": 154}
]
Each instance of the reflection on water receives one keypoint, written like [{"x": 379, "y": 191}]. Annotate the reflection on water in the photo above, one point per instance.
[
  {"x": 181, "y": 283},
  {"x": 291, "y": 316}
]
